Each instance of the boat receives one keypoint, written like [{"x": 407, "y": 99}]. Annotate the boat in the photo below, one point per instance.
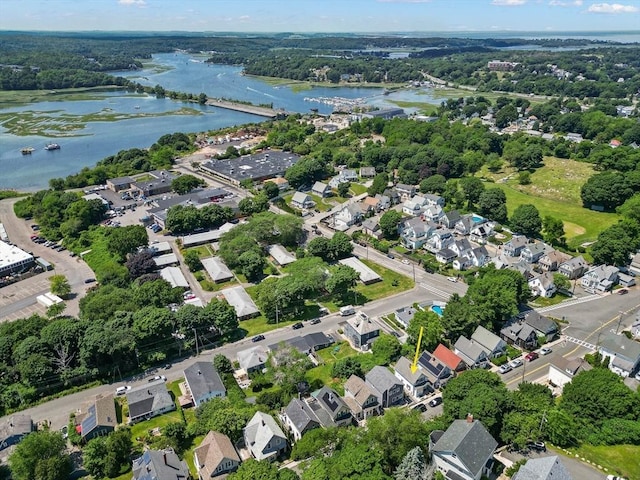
[
  {"x": 27, "y": 150},
  {"x": 52, "y": 146}
]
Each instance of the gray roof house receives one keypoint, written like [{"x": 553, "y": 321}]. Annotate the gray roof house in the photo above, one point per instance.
[
  {"x": 494, "y": 346},
  {"x": 415, "y": 232},
  {"x": 204, "y": 382},
  {"x": 435, "y": 370},
  {"x": 404, "y": 315},
  {"x": 321, "y": 189},
  {"x": 416, "y": 383},
  {"x": 545, "y": 468},
  {"x": 217, "y": 269},
  {"x": 433, "y": 199},
  {"x": 361, "y": 399},
  {"x": 387, "y": 387},
  {"x": 623, "y": 354},
  {"x": 450, "y": 218},
  {"x": 299, "y": 418},
  {"x": 240, "y": 300},
  {"x": 281, "y": 255},
  {"x": 514, "y": 247},
  {"x": 542, "y": 285},
  {"x": 551, "y": 261},
  {"x": 147, "y": 401},
  {"x": 301, "y": 200},
  {"x": 253, "y": 359},
  {"x": 264, "y": 438},
  {"x": 464, "y": 451},
  {"x": 371, "y": 227},
  {"x": 520, "y": 334},
  {"x": 367, "y": 172},
  {"x": 533, "y": 252},
  {"x": 13, "y": 428},
  {"x": 361, "y": 332},
  {"x": 405, "y": 192},
  {"x": 541, "y": 325},
  {"x": 100, "y": 419},
  {"x": 332, "y": 411},
  {"x": 573, "y": 268},
  {"x": 471, "y": 353},
  {"x": 215, "y": 456},
  {"x": 160, "y": 465},
  {"x": 600, "y": 278}
]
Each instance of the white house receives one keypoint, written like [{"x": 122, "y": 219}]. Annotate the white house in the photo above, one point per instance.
[
  {"x": 264, "y": 438},
  {"x": 623, "y": 354},
  {"x": 321, "y": 189},
  {"x": 349, "y": 215},
  {"x": 562, "y": 370},
  {"x": 542, "y": 285},
  {"x": 600, "y": 278},
  {"x": 414, "y": 206},
  {"x": 416, "y": 383},
  {"x": 439, "y": 240},
  {"x": 415, "y": 232},
  {"x": 204, "y": 383},
  {"x": 301, "y": 200},
  {"x": 433, "y": 213}
]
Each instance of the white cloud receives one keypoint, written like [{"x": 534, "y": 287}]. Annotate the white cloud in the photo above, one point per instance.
[
  {"x": 508, "y": 3},
  {"x": 612, "y": 8},
  {"x": 140, "y": 3},
  {"x": 561, "y": 3}
]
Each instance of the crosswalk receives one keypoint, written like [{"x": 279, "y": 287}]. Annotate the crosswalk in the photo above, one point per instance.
[
  {"x": 577, "y": 341},
  {"x": 434, "y": 290},
  {"x": 568, "y": 303}
]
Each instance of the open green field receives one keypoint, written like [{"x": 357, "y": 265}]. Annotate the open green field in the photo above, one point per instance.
[
  {"x": 15, "y": 98},
  {"x": 617, "y": 459},
  {"x": 423, "y": 107},
  {"x": 203, "y": 251},
  {"x": 357, "y": 189},
  {"x": 391, "y": 284},
  {"x": 329, "y": 356},
  {"x": 555, "y": 191},
  {"x": 450, "y": 92}
]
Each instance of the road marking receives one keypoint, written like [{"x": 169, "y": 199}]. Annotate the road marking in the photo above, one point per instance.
[
  {"x": 437, "y": 291},
  {"x": 568, "y": 303},
  {"x": 582, "y": 343}
]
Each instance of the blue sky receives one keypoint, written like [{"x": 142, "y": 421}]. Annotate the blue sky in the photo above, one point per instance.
[{"x": 321, "y": 15}]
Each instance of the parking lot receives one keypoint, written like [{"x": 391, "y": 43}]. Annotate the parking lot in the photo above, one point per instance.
[{"x": 18, "y": 300}]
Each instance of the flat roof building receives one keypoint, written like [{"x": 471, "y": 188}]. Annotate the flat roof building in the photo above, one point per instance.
[
  {"x": 174, "y": 276},
  {"x": 256, "y": 167},
  {"x": 14, "y": 259}
]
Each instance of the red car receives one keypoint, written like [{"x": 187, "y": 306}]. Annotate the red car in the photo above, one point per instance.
[{"x": 531, "y": 356}]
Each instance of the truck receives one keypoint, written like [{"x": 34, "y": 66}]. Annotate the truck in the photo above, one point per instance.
[{"x": 347, "y": 310}]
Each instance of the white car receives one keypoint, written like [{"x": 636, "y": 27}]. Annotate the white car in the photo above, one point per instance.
[
  {"x": 545, "y": 350},
  {"x": 405, "y": 261},
  {"x": 452, "y": 279},
  {"x": 122, "y": 390},
  {"x": 515, "y": 363}
]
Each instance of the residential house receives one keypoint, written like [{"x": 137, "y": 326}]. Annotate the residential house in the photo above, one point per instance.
[
  {"x": 253, "y": 359},
  {"x": 477, "y": 257},
  {"x": 623, "y": 354},
  {"x": 100, "y": 419},
  {"x": 432, "y": 213},
  {"x": 493, "y": 345},
  {"x": 436, "y": 371},
  {"x": 204, "y": 383},
  {"x": 321, "y": 189},
  {"x": 414, "y": 205},
  {"x": 367, "y": 172},
  {"x": 361, "y": 399},
  {"x": 562, "y": 370},
  {"x": 336, "y": 411},
  {"x": 625, "y": 280},
  {"x": 415, "y": 232},
  {"x": 480, "y": 233},
  {"x": 465, "y": 223},
  {"x": 347, "y": 216},
  {"x": 542, "y": 285},
  {"x": 160, "y": 464},
  {"x": 369, "y": 205},
  {"x": 215, "y": 456},
  {"x": 520, "y": 334},
  {"x": 551, "y": 261},
  {"x": 360, "y": 332},
  {"x": 298, "y": 418},
  {"x": 386, "y": 386},
  {"x": 281, "y": 255},
  {"x": 446, "y": 255},
  {"x": 404, "y": 315},
  {"x": 450, "y": 359},
  {"x": 464, "y": 451},
  {"x": 281, "y": 182},
  {"x": 573, "y": 268},
  {"x": 600, "y": 278},
  {"x": 439, "y": 240},
  {"x": 544, "y": 468},
  {"x": 240, "y": 300},
  {"x": 473, "y": 354},
  {"x": 384, "y": 202},
  {"x": 264, "y": 438},
  {"x": 405, "y": 192},
  {"x": 460, "y": 247},
  {"x": 301, "y": 201},
  {"x": 13, "y": 428},
  {"x": 416, "y": 384},
  {"x": 150, "y": 400},
  {"x": 306, "y": 344},
  {"x": 394, "y": 196},
  {"x": 449, "y": 219},
  {"x": 217, "y": 269},
  {"x": 514, "y": 247},
  {"x": 371, "y": 227},
  {"x": 533, "y": 252},
  {"x": 525, "y": 268},
  {"x": 344, "y": 176},
  {"x": 433, "y": 199}
]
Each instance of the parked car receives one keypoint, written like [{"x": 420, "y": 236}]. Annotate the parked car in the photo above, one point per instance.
[
  {"x": 421, "y": 407},
  {"x": 297, "y": 325},
  {"x": 545, "y": 350},
  {"x": 531, "y": 356},
  {"x": 122, "y": 390},
  {"x": 158, "y": 377},
  {"x": 623, "y": 291},
  {"x": 435, "y": 402},
  {"x": 257, "y": 338},
  {"x": 515, "y": 363},
  {"x": 390, "y": 255},
  {"x": 613, "y": 477},
  {"x": 504, "y": 368},
  {"x": 405, "y": 261},
  {"x": 452, "y": 279},
  {"x": 539, "y": 446},
  {"x": 314, "y": 321},
  {"x": 89, "y": 280}
]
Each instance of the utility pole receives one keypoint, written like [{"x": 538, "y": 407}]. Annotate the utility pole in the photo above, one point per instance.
[
  {"x": 542, "y": 420},
  {"x": 196, "y": 335},
  {"x": 619, "y": 321}
]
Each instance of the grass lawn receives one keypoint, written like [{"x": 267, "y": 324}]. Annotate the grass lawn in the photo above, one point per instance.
[
  {"x": 320, "y": 203},
  {"x": 203, "y": 251},
  {"x": 357, "y": 189},
  {"x": 547, "y": 302},
  {"x": 142, "y": 429},
  {"x": 617, "y": 459},
  {"x": 329, "y": 356},
  {"x": 384, "y": 288}
]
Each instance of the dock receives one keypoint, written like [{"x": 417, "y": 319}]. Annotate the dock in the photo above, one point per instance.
[{"x": 245, "y": 108}]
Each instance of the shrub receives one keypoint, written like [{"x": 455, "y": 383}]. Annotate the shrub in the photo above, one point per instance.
[
  {"x": 513, "y": 352},
  {"x": 499, "y": 361}
]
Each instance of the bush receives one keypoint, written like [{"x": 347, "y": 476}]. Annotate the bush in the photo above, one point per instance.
[
  {"x": 208, "y": 285},
  {"x": 499, "y": 361},
  {"x": 513, "y": 352}
]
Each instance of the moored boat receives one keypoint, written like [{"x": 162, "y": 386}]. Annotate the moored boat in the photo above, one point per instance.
[
  {"x": 52, "y": 146},
  {"x": 27, "y": 150}
]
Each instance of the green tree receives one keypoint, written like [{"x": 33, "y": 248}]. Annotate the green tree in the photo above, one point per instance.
[
  {"x": 433, "y": 184},
  {"x": 413, "y": 466},
  {"x": 252, "y": 265},
  {"x": 506, "y": 115},
  {"x": 346, "y": 367},
  {"x": 222, "y": 416},
  {"x": 389, "y": 222},
  {"x": 56, "y": 310},
  {"x": 433, "y": 330},
  {"x": 59, "y": 285},
  {"x": 379, "y": 184},
  {"x": 94, "y": 456},
  {"x": 254, "y": 470},
  {"x": 192, "y": 260},
  {"x": 386, "y": 349},
  {"x": 124, "y": 240},
  {"x": 560, "y": 428},
  {"x": 222, "y": 364},
  {"x": 561, "y": 282},
  {"x": 524, "y": 178},
  {"x": 616, "y": 244},
  {"x": 526, "y": 220},
  {"x": 553, "y": 230},
  {"x": 631, "y": 208},
  {"x": 32, "y": 457},
  {"x": 607, "y": 189},
  {"x": 342, "y": 278},
  {"x": 493, "y": 204},
  {"x": 140, "y": 263},
  {"x": 472, "y": 187},
  {"x": 271, "y": 190},
  {"x": 185, "y": 183},
  {"x": 340, "y": 246},
  {"x": 224, "y": 316},
  {"x": 343, "y": 189},
  {"x": 319, "y": 247}
]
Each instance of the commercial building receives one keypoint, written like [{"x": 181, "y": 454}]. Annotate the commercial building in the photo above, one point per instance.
[
  {"x": 256, "y": 167},
  {"x": 14, "y": 259}
]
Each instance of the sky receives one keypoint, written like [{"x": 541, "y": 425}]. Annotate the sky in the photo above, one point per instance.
[{"x": 374, "y": 16}]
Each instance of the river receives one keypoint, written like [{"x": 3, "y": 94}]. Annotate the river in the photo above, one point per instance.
[{"x": 98, "y": 138}]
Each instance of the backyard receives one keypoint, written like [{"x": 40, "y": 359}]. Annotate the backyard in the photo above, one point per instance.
[{"x": 616, "y": 459}]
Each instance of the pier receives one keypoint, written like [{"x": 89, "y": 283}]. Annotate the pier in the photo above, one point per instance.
[{"x": 245, "y": 108}]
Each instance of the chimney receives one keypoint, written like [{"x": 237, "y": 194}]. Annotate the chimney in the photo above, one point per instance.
[
  {"x": 164, "y": 456},
  {"x": 149, "y": 392},
  {"x": 469, "y": 418}
]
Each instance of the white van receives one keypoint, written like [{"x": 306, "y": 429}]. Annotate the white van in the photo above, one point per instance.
[{"x": 347, "y": 310}]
